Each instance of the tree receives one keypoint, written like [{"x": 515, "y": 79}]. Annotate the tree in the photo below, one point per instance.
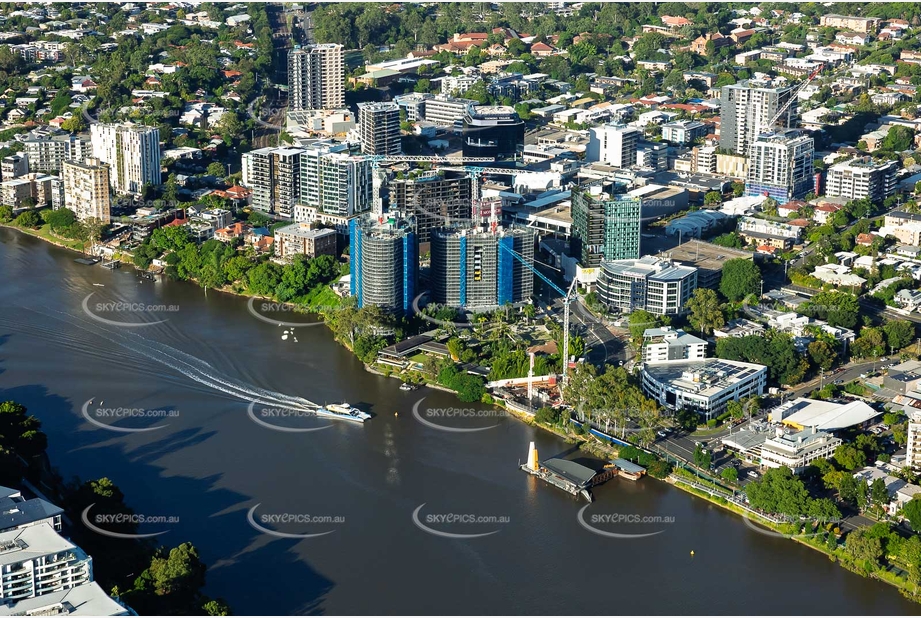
[
  {"x": 60, "y": 219},
  {"x": 701, "y": 457},
  {"x": 879, "y": 495},
  {"x": 912, "y": 512},
  {"x": 180, "y": 570},
  {"x": 779, "y": 491},
  {"x": 864, "y": 548},
  {"x": 835, "y": 307},
  {"x": 730, "y": 474},
  {"x": 898, "y": 139},
  {"x": 28, "y": 218},
  {"x": 6, "y": 213},
  {"x": 712, "y": 198},
  {"x": 850, "y": 457},
  {"x": 639, "y": 321},
  {"x": 870, "y": 343},
  {"x": 216, "y": 169},
  {"x": 741, "y": 277},
  {"x": 216, "y": 607},
  {"x": 822, "y": 354},
  {"x": 706, "y": 313},
  {"x": 899, "y": 333}
]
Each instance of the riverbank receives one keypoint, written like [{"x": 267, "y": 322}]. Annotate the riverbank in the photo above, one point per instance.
[{"x": 593, "y": 447}]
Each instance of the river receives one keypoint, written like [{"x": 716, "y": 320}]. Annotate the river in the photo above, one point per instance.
[{"x": 208, "y": 463}]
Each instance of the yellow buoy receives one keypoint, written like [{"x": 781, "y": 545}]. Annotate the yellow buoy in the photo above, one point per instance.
[
  {"x": 692, "y": 552},
  {"x": 396, "y": 413}
]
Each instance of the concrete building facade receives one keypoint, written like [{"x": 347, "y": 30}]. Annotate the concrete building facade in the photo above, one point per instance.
[
  {"x": 316, "y": 77},
  {"x": 385, "y": 262},
  {"x": 132, "y": 153},
  {"x": 87, "y": 189},
  {"x": 379, "y": 128},
  {"x": 746, "y": 109},
  {"x": 474, "y": 268}
]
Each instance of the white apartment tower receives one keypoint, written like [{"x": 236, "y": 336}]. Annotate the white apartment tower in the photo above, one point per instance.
[
  {"x": 316, "y": 77},
  {"x": 746, "y": 110},
  {"x": 36, "y": 560},
  {"x": 862, "y": 178},
  {"x": 613, "y": 144},
  {"x": 132, "y": 153},
  {"x": 273, "y": 176},
  {"x": 780, "y": 166},
  {"x": 86, "y": 189},
  {"x": 379, "y": 128}
]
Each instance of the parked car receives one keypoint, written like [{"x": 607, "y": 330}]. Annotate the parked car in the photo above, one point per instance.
[{"x": 753, "y": 474}]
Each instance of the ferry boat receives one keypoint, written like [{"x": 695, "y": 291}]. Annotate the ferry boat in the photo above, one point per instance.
[{"x": 343, "y": 411}]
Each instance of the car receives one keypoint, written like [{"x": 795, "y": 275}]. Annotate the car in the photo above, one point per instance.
[
  {"x": 753, "y": 474},
  {"x": 661, "y": 434}
]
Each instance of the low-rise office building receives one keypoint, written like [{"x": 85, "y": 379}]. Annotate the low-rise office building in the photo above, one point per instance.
[
  {"x": 667, "y": 344},
  {"x": 705, "y": 386},
  {"x": 796, "y": 451},
  {"x": 650, "y": 283},
  {"x": 304, "y": 239}
]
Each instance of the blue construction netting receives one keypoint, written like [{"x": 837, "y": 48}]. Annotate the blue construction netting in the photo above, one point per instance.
[
  {"x": 504, "y": 259},
  {"x": 355, "y": 260},
  {"x": 410, "y": 263},
  {"x": 463, "y": 271}
]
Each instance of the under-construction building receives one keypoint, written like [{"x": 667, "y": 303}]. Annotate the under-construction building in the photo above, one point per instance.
[
  {"x": 478, "y": 268},
  {"x": 434, "y": 199},
  {"x": 385, "y": 262}
]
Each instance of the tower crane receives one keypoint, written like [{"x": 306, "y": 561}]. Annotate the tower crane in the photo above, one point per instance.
[
  {"x": 476, "y": 172},
  {"x": 568, "y": 297},
  {"x": 377, "y": 178},
  {"x": 783, "y": 108}
]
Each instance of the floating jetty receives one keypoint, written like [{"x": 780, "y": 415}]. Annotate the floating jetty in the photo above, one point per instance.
[
  {"x": 88, "y": 261},
  {"x": 574, "y": 478},
  {"x": 571, "y": 477}
]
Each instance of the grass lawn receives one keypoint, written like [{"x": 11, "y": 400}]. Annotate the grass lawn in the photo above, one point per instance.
[
  {"x": 45, "y": 232},
  {"x": 322, "y": 298}
]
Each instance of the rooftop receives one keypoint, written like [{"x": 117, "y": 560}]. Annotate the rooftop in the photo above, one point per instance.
[
  {"x": 824, "y": 415},
  {"x": 706, "y": 377},
  {"x": 84, "y": 600},
  {"x": 704, "y": 255}
]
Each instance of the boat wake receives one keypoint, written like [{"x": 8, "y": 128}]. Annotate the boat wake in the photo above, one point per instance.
[{"x": 185, "y": 364}]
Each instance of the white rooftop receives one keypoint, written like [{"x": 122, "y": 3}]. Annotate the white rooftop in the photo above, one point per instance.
[{"x": 825, "y": 415}]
